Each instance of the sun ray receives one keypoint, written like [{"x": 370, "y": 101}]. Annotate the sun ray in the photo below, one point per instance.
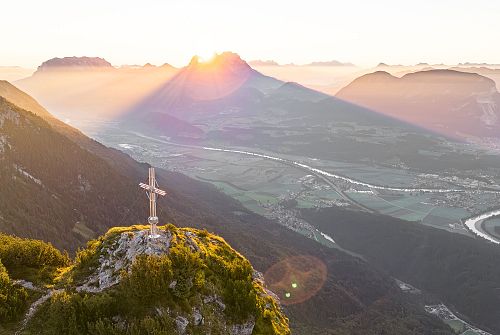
[{"x": 206, "y": 56}]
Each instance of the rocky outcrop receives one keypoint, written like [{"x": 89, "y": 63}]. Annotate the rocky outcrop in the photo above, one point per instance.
[
  {"x": 197, "y": 317},
  {"x": 181, "y": 323},
  {"x": 108, "y": 266},
  {"x": 120, "y": 256},
  {"x": 243, "y": 329}
]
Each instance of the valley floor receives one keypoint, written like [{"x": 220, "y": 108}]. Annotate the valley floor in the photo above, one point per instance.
[{"x": 263, "y": 181}]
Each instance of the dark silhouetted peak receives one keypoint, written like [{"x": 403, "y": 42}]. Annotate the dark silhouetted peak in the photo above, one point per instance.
[{"x": 74, "y": 62}]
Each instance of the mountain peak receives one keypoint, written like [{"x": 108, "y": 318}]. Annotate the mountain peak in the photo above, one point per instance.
[
  {"x": 377, "y": 76},
  {"x": 223, "y": 59},
  {"x": 74, "y": 62},
  {"x": 467, "y": 103},
  {"x": 187, "y": 280},
  {"x": 210, "y": 79}
]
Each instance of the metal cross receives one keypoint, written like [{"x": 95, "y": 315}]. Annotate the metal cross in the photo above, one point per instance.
[{"x": 152, "y": 191}]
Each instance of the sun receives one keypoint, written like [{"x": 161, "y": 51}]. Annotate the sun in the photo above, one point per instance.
[{"x": 206, "y": 56}]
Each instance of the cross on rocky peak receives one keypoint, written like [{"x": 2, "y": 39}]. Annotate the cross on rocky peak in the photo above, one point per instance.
[{"x": 152, "y": 192}]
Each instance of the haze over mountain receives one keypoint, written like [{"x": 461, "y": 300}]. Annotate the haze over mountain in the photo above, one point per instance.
[
  {"x": 66, "y": 188},
  {"x": 13, "y": 73},
  {"x": 316, "y": 168},
  {"x": 316, "y": 63},
  {"x": 23, "y": 100},
  {"x": 259, "y": 62},
  {"x": 490, "y": 72},
  {"x": 211, "y": 100},
  {"x": 235, "y": 105},
  {"x": 327, "y": 76},
  {"x": 224, "y": 75},
  {"x": 450, "y": 102},
  {"x": 71, "y": 88}
]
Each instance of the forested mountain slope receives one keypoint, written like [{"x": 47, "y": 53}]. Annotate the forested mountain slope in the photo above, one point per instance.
[
  {"x": 58, "y": 188},
  {"x": 460, "y": 270}
]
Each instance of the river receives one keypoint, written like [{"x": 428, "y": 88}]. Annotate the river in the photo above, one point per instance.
[
  {"x": 474, "y": 224},
  {"x": 470, "y": 223}
]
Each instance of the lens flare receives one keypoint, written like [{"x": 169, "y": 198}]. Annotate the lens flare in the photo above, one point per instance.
[{"x": 296, "y": 279}]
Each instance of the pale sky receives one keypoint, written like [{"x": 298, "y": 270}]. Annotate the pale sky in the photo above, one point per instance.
[{"x": 159, "y": 31}]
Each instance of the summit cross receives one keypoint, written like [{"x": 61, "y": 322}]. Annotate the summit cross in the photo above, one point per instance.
[{"x": 152, "y": 191}]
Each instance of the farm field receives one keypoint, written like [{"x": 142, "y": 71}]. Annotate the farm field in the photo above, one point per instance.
[{"x": 263, "y": 185}]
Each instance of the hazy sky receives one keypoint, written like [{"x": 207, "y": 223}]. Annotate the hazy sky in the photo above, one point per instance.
[{"x": 159, "y": 31}]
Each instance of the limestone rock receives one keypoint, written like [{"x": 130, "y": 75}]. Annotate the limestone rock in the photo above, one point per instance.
[
  {"x": 121, "y": 255},
  {"x": 243, "y": 329},
  {"x": 197, "y": 317},
  {"x": 181, "y": 323}
]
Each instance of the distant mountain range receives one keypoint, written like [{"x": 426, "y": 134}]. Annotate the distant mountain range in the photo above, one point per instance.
[
  {"x": 94, "y": 91},
  {"x": 222, "y": 99},
  {"x": 450, "y": 102},
  {"x": 258, "y": 63},
  {"x": 89, "y": 63},
  {"x": 236, "y": 106},
  {"x": 469, "y": 64},
  {"x": 465, "y": 64}
]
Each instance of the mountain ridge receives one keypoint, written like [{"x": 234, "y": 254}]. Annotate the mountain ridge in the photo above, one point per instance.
[{"x": 450, "y": 102}]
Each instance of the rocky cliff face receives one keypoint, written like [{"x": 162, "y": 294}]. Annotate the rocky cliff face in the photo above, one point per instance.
[
  {"x": 185, "y": 281},
  {"x": 74, "y": 62}
]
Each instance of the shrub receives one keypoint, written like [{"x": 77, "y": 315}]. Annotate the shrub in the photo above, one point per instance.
[{"x": 13, "y": 300}]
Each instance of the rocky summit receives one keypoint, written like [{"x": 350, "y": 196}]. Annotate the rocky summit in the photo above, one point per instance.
[{"x": 185, "y": 281}]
